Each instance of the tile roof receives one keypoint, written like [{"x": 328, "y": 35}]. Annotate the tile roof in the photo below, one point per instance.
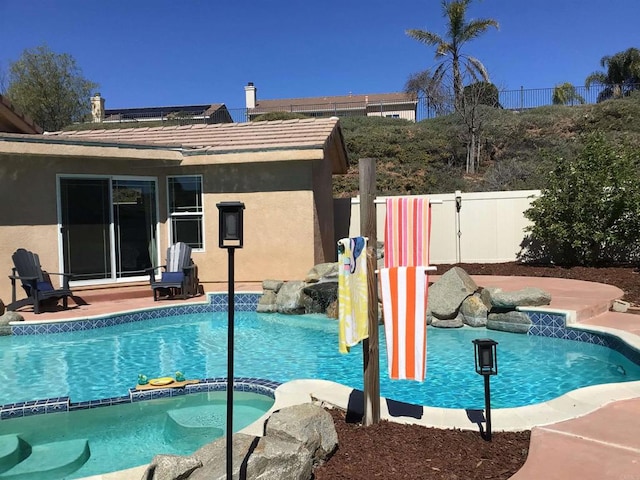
[
  {"x": 346, "y": 101},
  {"x": 222, "y": 137},
  {"x": 13, "y": 121}
]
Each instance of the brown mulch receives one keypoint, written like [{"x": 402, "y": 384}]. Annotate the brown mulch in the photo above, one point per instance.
[
  {"x": 392, "y": 451},
  {"x": 395, "y": 451}
]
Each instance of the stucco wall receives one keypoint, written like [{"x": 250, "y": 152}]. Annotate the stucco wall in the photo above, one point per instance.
[{"x": 282, "y": 219}]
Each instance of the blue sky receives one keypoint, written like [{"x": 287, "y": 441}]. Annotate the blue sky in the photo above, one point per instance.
[{"x": 169, "y": 52}]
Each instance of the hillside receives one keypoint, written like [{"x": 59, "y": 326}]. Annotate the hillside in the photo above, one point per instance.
[{"x": 429, "y": 156}]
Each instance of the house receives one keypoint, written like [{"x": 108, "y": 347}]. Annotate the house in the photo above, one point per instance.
[
  {"x": 176, "y": 114},
  {"x": 393, "y": 105},
  {"x": 105, "y": 204}
]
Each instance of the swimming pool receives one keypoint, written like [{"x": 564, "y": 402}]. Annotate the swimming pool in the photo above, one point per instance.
[
  {"x": 103, "y": 363},
  {"x": 93, "y": 441}
]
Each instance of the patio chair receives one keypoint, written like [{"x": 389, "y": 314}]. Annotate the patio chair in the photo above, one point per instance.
[
  {"x": 36, "y": 283},
  {"x": 179, "y": 276}
]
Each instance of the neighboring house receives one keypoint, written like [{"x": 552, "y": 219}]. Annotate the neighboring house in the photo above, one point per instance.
[
  {"x": 394, "y": 105},
  {"x": 105, "y": 204},
  {"x": 208, "y": 113},
  {"x": 12, "y": 121}
]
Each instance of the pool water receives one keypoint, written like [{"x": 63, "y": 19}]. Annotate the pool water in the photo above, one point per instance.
[
  {"x": 106, "y": 362},
  {"x": 128, "y": 435}
]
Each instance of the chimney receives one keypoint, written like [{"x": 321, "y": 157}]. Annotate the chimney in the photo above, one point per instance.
[
  {"x": 250, "y": 95},
  {"x": 97, "y": 108}
]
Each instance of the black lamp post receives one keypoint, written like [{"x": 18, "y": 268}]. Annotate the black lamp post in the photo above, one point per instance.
[
  {"x": 486, "y": 365},
  {"x": 230, "y": 237}
]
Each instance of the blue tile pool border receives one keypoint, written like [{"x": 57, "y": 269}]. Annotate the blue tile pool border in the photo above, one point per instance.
[
  {"x": 552, "y": 324},
  {"x": 63, "y": 404},
  {"x": 217, "y": 302}
]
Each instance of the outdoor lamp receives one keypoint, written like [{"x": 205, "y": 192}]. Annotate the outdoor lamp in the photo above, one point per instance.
[
  {"x": 486, "y": 359},
  {"x": 230, "y": 224},
  {"x": 486, "y": 365},
  {"x": 230, "y": 237}
]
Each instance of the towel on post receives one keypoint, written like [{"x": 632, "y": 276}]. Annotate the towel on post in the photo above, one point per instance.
[
  {"x": 353, "y": 296},
  {"x": 404, "y": 303},
  {"x": 407, "y": 231}
]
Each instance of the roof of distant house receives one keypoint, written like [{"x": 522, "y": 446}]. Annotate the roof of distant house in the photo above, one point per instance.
[
  {"x": 206, "y": 110},
  {"x": 13, "y": 121},
  {"x": 340, "y": 100}
]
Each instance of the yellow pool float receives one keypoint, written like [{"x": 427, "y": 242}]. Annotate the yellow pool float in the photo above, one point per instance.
[{"x": 161, "y": 381}]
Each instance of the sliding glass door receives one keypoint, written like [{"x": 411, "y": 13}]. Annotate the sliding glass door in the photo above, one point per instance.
[{"x": 108, "y": 227}]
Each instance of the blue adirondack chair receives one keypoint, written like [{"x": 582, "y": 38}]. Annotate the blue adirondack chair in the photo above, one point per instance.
[
  {"x": 179, "y": 275},
  {"x": 36, "y": 283}
]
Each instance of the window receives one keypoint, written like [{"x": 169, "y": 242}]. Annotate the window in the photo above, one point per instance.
[{"x": 185, "y": 210}]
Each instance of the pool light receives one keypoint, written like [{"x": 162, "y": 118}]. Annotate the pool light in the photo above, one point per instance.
[
  {"x": 486, "y": 365},
  {"x": 230, "y": 237}
]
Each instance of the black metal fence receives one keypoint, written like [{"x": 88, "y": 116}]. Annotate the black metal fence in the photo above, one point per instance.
[{"x": 517, "y": 100}]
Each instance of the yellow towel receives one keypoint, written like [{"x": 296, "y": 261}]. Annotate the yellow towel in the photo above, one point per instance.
[{"x": 353, "y": 297}]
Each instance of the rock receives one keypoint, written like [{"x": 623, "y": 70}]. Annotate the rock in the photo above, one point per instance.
[
  {"x": 322, "y": 271},
  {"x": 620, "y": 306},
  {"x": 273, "y": 285},
  {"x": 267, "y": 302},
  {"x": 332, "y": 310},
  {"x": 323, "y": 294},
  {"x": 448, "y": 323},
  {"x": 474, "y": 311},
  {"x": 448, "y": 292},
  {"x": 526, "y": 297},
  {"x": 213, "y": 457},
  {"x": 277, "y": 458},
  {"x": 308, "y": 424},
  {"x": 2, "y": 307},
  {"x": 290, "y": 298},
  {"x": 170, "y": 467},
  {"x": 5, "y": 319},
  {"x": 514, "y": 322},
  {"x": 487, "y": 293}
]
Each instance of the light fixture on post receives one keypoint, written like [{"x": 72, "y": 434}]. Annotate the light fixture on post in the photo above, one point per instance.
[
  {"x": 486, "y": 365},
  {"x": 230, "y": 237}
]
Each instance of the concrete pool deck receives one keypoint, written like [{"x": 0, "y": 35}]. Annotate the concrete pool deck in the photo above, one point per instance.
[{"x": 589, "y": 433}]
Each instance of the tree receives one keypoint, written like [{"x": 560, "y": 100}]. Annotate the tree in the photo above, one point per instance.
[
  {"x": 622, "y": 74},
  {"x": 459, "y": 32},
  {"x": 589, "y": 211},
  {"x": 566, "y": 94},
  {"x": 49, "y": 87}
]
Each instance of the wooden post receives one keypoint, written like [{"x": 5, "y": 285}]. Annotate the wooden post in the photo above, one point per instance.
[{"x": 370, "y": 350}]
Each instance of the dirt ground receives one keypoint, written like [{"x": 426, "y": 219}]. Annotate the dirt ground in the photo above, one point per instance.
[{"x": 392, "y": 451}]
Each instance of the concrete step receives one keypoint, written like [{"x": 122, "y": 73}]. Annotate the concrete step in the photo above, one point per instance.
[
  {"x": 112, "y": 293},
  {"x": 13, "y": 450},
  {"x": 50, "y": 461}
]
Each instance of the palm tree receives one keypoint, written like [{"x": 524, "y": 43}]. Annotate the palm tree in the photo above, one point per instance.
[
  {"x": 459, "y": 32},
  {"x": 566, "y": 94},
  {"x": 622, "y": 75}
]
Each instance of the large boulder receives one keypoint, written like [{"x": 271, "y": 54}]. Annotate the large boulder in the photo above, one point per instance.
[
  {"x": 474, "y": 311},
  {"x": 170, "y": 467},
  {"x": 322, "y": 294},
  {"x": 321, "y": 272},
  {"x": 514, "y": 322},
  {"x": 267, "y": 303},
  {"x": 308, "y": 424},
  {"x": 526, "y": 297},
  {"x": 213, "y": 456},
  {"x": 290, "y": 298},
  {"x": 448, "y": 292}
]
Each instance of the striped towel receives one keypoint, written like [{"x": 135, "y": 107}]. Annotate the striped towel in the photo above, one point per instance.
[
  {"x": 404, "y": 303},
  {"x": 353, "y": 296},
  {"x": 407, "y": 231}
]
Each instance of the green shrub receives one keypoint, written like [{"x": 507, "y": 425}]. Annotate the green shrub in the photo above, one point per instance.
[
  {"x": 589, "y": 210},
  {"x": 278, "y": 116}
]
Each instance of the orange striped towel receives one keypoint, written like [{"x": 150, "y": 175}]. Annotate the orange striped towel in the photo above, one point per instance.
[
  {"x": 404, "y": 303},
  {"x": 407, "y": 231}
]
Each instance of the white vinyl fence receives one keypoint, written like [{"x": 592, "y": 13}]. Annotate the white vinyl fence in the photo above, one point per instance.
[{"x": 488, "y": 227}]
